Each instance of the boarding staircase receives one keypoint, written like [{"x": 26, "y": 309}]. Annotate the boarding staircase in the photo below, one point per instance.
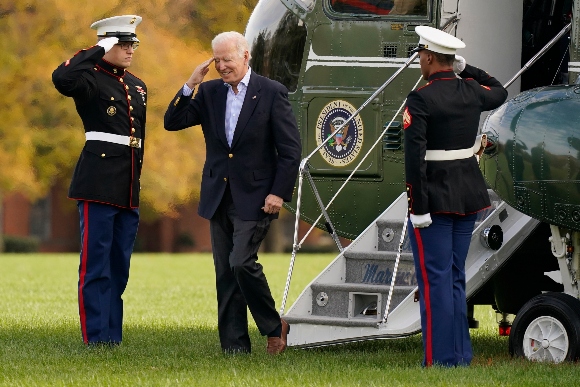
[
  {"x": 346, "y": 302},
  {"x": 352, "y": 299}
]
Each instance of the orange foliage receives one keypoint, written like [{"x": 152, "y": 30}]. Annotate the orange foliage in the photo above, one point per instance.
[{"x": 40, "y": 133}]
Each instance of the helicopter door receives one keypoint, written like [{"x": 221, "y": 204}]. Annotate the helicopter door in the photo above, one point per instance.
[
  {"x": 492, "y": 26},
  {"x": 348, "y": 57},
  {"x": 449, "y": 7}
]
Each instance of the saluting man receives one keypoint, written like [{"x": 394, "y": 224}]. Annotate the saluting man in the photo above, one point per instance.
[
  {"x": 252, "y": 159},
  {"x": 111, "y": 102},
  {"x": 445, "y": 187}
]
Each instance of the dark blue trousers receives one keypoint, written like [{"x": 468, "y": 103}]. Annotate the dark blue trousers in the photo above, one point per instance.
[
  {"x": 107, "y": 238},
  {"x": 439, "y": 252}
]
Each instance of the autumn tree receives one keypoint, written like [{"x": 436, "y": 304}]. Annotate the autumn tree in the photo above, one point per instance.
[{"x": 40, "y": 133}]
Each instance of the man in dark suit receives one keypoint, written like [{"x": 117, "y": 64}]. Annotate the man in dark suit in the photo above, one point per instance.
[
  {"x": 445, "y": 187},
  {"x": 252, "y": 157}
]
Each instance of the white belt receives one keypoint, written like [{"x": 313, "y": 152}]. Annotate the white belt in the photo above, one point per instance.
[
  {"x": 131, "y": 141},
  {"x": 456, "y": 154},
  {"x": 442, "y": 155}
]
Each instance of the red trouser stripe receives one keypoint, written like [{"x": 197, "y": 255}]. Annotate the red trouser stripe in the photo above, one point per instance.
[
  {"x": 84, "y": 271},
  {"x": 427, "y": 299}
]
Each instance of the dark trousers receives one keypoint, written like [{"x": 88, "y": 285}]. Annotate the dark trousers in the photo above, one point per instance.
[
  {"x": 439, "y": 252},
  {"x": 107, "y": 238},
  {"x": 240, "y": 280}
]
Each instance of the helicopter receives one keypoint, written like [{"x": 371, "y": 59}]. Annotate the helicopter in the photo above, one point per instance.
[{"x": 348, "y": 66}]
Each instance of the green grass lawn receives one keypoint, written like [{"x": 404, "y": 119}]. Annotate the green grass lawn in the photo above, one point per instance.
[{"x": 170, "y": 335}]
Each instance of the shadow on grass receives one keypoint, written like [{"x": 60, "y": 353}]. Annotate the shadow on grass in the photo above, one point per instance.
[
  {"x": 163, "y": 355},
  {"x": 144, "y": 342},
  {"x": 409, "y": 350}
]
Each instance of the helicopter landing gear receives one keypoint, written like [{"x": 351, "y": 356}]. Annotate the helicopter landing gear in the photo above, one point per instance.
[{"x": 547, "y": 329}]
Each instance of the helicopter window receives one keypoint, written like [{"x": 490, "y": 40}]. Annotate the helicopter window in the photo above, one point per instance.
[
  {"x": 380, "y": 7},
  {"x": 277, "y": 38}
]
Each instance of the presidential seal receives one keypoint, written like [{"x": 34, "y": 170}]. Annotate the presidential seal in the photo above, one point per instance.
[{"x": 345, "y": 145}]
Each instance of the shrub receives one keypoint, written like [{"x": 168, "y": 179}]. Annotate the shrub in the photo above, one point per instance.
[
  {"x": 183, "y": 243},
  {"x": 18, "y": 244},
  {"x": 184, "y": 240}
]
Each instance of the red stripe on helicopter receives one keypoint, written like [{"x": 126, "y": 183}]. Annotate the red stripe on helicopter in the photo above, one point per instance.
[{"x": 372, "y": 9}]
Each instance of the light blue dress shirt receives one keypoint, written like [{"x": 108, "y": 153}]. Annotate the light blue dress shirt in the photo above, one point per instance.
[{"x": 234, "y": 104}]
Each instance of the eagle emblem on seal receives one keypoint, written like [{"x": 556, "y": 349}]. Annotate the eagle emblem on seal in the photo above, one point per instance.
[{"x": 340, "y": 148}]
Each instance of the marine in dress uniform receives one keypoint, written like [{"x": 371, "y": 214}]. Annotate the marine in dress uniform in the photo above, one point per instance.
[
  {"x": 111, "y": 103},
  {"x": 252, "y": 158},
  {"x": 445, "y": 187}
]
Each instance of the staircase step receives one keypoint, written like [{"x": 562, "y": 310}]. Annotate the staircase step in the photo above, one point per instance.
[
  {"x": 389, "y": 256},
  {"x": 348, "y": 300},
  {"x": 364, "y": 321},
  {"x": 377, "y": 268},
  {"x": 380, "y": 273},
  {"x": 389, "y": 235},
  {"x": 369, "y": 288}
]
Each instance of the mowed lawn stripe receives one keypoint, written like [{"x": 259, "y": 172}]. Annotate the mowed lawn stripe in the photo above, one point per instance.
[{"x": 170, "y": 335}]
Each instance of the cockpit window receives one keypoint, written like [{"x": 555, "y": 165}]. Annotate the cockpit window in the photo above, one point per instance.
[{"x": 380, "y": 7}]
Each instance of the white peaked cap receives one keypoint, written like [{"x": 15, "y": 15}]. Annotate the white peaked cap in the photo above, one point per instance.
[
  {"x": 117, "y": 25},
  {"x": 436, "y": 40}
]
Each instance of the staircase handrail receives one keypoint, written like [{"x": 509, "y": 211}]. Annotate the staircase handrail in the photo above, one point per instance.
[{"x": 304, "y": 170}]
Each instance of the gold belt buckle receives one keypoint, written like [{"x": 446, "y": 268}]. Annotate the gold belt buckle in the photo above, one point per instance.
[{"x": 134, "y": 142}]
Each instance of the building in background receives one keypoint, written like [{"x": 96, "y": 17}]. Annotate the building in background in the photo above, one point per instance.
[{"x": 52, "y": 224}]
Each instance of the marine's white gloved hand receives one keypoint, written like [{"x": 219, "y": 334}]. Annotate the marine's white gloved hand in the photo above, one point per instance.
[
  {"x": 108, "y": 43},
  {"x": 421, "y": 221},
  {"x": 458, "y": 64}
]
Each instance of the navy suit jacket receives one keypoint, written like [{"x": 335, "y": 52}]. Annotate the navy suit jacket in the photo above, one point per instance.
[
  {"x": 265, "y": 152},
  {"x": 108, "y": 99}
]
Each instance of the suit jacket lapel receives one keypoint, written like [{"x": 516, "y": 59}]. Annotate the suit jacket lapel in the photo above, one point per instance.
[
  {"x": 219, "y": 98},
  {"x": 250, "y": 102}
]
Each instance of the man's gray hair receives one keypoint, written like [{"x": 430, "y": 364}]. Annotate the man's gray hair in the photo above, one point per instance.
[{"x": 239, "y": 39}]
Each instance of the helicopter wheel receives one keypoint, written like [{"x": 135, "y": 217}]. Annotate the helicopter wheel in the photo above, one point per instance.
[{"x": 547, "y": 329}]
